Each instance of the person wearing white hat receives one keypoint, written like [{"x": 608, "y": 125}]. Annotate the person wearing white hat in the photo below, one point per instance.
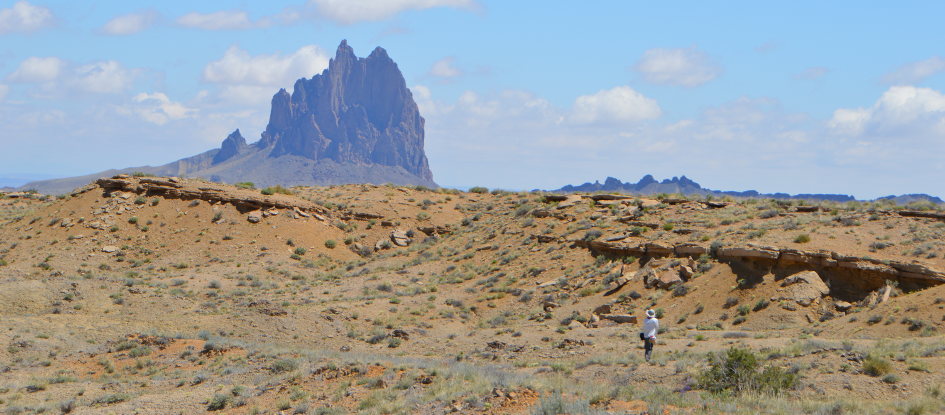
[{"x": 650, "y": 326}]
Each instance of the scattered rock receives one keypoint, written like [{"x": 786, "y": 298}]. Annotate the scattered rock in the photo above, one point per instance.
[
  {"x": 620, "y": 318},
  {"x": 109, "y": 249},
  {"x": 254, "y": 216}
]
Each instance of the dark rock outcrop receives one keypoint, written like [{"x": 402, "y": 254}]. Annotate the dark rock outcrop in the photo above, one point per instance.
[{"x": 686, "y": 186}]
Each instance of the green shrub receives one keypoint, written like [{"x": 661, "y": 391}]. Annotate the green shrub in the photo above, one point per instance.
[
  {"x": 218, "y": 402},
  {"x": 875, "y": 365},
  {"x": 802, "y": 238},
  {"x": 478, "y": 189},
  {"x": 246, "y": 185},
  {"x": 284, "y": 365},
  {"x": 736, "y": 371},
  {"x": 271, "y": 190},
  {"x": 300, "y": 251},
  {"x": 330, "y": 244}
]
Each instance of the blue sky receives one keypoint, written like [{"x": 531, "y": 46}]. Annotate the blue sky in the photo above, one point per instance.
[{"x": 828, "y": 97}]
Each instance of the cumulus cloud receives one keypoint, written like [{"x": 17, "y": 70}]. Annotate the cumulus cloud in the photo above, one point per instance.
[
  {"x": 902, "y": 113},
  {"x": 445, "y": 68},
  {"x": 130, "y": 24},
  {"x": 915, "y": 72},
  {"x": 354, "y": 11},
  {"x": 681, "y": 67},
  {"x": 221, "y": 20},
  {"x": 157, "y": 108},
  {"x": 36, "y": 69},
  {"x": 617, "y": 105},
  {"x": 239, "y": 67},
  {"x": 24, "y": 17}
]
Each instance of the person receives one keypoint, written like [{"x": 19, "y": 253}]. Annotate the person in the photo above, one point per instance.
[{"x": 650, "y": 326}]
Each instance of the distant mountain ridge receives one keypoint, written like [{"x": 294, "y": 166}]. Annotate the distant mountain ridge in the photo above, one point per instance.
[
  {"x": 686, "y": 186},
  {"x": 356, "y": 122}
]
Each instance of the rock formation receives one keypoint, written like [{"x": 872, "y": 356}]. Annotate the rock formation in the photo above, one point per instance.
[{"x": 356, "y": 122}]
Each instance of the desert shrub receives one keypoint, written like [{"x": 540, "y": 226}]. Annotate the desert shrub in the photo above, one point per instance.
[
  {"x": 111, "y": 399},
  {"x": 730, "y": 302},
  {"x": 478, "y": 189},
  {"x": 218, "y": 402},
  {"x": 743, "y": 310},
  {"x": 141, "y": 174},
  {"x": 330, "y": 244},
  {"x": 761, "y": 305},
  {"x": 668, "y": 226},
  {"x": 802, "y": 238},
  {"x": 736, "y": 371},
  {"x": 768, "y": 214},
  {"x": 875, "y": 365},
  {"x": 300, "y": 251},
  {"x": 246, "y": 185},
  {"x": 271, "y": 190},
  {"x": 680, "y": 290},
  {"x": 284, "y": 365},
  {"x": 592, "y": 235}
]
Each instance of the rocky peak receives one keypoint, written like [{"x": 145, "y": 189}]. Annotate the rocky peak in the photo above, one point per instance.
[
  {"x": 233, "y": 144},
  {"x": 358, "y": 111}
]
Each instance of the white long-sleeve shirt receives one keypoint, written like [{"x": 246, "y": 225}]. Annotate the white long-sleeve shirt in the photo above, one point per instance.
[{"x": 650, "y": 327}]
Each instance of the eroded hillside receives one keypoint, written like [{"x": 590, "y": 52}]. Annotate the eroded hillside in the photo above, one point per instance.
[{"x": 166, "y": 294}]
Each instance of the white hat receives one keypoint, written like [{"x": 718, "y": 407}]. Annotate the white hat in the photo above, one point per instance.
[{"x": 650, "y": 313}]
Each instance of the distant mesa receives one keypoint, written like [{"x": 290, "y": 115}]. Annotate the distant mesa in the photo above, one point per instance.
[
  {"x": 356, "y": 122},
  {"x": 686, "y": 186}
]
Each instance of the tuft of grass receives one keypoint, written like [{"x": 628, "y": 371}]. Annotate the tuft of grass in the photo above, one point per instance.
[{"x": 802, "y": 238}]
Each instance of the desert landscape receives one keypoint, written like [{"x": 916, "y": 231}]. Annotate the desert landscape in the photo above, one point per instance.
[
  {"x": 226, "y": 207},
  {"x": 140, "y": 294}
]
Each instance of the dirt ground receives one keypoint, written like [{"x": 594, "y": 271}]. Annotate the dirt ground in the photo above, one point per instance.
[{"x": 124, "y": 301}]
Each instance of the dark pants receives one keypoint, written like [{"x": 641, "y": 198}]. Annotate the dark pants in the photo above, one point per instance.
[{"x": 648, "y": 348}]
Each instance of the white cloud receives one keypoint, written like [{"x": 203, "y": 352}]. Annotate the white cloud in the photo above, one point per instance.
[
  {"x": 35, "y": 69},
  {"x": 4, "y": 90},
  {"x": 812, "y": 73},
  {"x": 106, "y": 77},
  {"x": 25, "y": 17},
  {"x": 222, "y": 20},
  {"x": 617, "y": 105},
  {"x": 157, "y": 108},
  {"x": 682, "y": 67},
  {"x": 916, "y": 71},
  {"x": 353, "y": 11},
  {"x": 445, "y": 68},
  {"x": 239, "y": 67},
  {"x": 130, "y": 24},
  {"x": 901, "y": 113}
]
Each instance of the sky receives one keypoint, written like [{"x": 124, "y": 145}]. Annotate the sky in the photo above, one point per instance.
[{"x": 799, "y": 97}]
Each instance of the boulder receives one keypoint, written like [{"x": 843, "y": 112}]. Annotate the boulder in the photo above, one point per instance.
[
  {"x": 842, "y": 306},
  {"x": 109, "y": 249},
  {"x": 400, "y": 237},
  {"x": 254, "y": 216},
  {"x": 804, "y": 288},
  {"x": 602, "y": 309}
]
